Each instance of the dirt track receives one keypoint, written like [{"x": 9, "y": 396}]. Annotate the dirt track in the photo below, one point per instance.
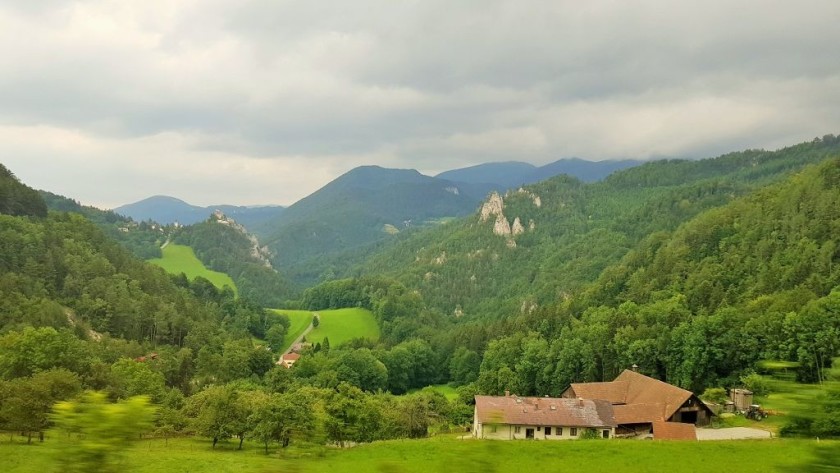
[{"x": 732, "y": 433}]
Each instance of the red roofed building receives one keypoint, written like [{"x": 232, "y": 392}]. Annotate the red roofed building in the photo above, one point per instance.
[
  {"x": 638, "y": 401},
  {"x": 288, "y": 359},
  {"x": 540, "y": 418}
]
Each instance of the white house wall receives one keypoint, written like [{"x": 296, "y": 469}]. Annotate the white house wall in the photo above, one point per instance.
[{"x": 509, "y": 432}]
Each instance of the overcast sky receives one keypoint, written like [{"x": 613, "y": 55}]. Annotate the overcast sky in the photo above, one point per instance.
[{"x": 264, "y": 101}]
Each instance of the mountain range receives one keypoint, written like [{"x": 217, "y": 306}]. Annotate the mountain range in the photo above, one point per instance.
[
  {"x": 320, "y": 234},
  {"x": 168, "y": 210},
  {"x": 510, "y": 174}
]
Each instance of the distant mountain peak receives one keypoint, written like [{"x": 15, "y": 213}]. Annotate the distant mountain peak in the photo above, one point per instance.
[{"x": 167, "y": 209}]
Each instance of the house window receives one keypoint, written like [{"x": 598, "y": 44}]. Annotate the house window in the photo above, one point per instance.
[
  {"x": 517, "y": 429},
  {"x": 560, "y": 431},
  {"x": 573, "y": 431},
  {"x": 548, "y": 431},
  {"x": 492, "y": 428},
  {"x": 538, "y": 428},
  {"x": 605, "y": 434}
]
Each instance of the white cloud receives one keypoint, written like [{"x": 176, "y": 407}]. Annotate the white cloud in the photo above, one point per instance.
[{"x": 262, "y": 101}]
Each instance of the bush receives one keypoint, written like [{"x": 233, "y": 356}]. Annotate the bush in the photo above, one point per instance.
[{"x": 759, "y": 385}]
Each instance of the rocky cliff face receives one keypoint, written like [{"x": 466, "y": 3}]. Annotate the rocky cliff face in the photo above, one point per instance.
[
  {"x": 259, "y": 253},
  {"x": 495, "y": 206}
]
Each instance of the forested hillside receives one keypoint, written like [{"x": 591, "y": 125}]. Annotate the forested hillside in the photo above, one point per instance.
[
  {"x": 17, "y": 198},
  {"x": 548, "y": 241},
  {"x": 142, "y": 238},
  {"x": 224, "y": 246},
  {"x": 311, "y": 239}
]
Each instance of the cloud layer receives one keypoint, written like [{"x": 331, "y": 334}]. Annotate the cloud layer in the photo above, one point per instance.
[{"x": 264, "y": 101}]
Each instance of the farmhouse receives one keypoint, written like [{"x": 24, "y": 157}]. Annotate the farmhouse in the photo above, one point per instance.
[
  {"x": 288, "y": 359},
  {"x": 513, "y": 417},
  {"x": 639, "y": 401}
]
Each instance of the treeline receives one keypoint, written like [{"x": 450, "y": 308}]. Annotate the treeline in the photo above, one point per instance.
[{"x": 229, "y": 250}]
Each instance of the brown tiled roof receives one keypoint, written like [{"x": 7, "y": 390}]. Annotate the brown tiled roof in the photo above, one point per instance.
[
  {"x": 638, "y": 413},
  {"x": 638, "y": 398},
  {"x": 673, "y": 431},
  {"x": 613, "y": 391},
  {"x": 646, "y": 390},
  {"x": 544, "y": 411},
  {"x": 290, "y": 356}
]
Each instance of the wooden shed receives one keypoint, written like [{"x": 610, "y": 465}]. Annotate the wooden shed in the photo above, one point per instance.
[{"x": 742, "y": 398}]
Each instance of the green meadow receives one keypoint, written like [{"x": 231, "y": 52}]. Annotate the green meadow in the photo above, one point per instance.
[
  {"x": 181, "y": 259},
  {"x": 441, "y": 454},
  {"x": 341, "y": 325},
  {"x": 449, "y": 392}
]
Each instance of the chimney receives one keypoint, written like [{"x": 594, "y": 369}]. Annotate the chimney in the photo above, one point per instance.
[
  {"x": 635, "y": 367},
  {"x": 580, "y": 401},
  {"x": 507, "y": 393}
]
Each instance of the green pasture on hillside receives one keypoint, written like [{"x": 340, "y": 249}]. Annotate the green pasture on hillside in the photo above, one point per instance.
[
  {"x": 339, "y": 325},
  {"x": 441, "y": 454},
  {"x": 181, "y": 259}
]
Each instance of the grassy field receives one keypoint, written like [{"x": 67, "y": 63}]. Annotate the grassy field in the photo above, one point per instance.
[
  {"x": 181, "y": 259},
  {"x": 338, "y": 325},
  {"x": 342, "y": 325},
  {"x": 443, "y": 453},
  {"x": 448, "y": 391},
  {"x": 300, "y": 319}
]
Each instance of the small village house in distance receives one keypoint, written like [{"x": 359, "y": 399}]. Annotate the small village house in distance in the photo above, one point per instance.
[
  {"x": 288, "y": 360},
  {"x": 513, "y": 417},
  {"x": 640, "y": 402}
]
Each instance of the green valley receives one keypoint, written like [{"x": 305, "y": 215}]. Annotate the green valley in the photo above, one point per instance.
[{"x": 696, "y": 272}]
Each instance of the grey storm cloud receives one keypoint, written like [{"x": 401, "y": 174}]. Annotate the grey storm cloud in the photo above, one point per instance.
[{"x": 263, "y": 101}]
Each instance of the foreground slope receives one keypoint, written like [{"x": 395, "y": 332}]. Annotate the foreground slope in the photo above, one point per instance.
[{"x": 443, "y": 454}]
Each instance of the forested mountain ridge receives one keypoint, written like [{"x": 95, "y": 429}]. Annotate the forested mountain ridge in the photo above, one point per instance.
[
  {"x": 578, "y": 230},
  {"x": 506, "y": 175},
  {"x": 363, "y": 206}
]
